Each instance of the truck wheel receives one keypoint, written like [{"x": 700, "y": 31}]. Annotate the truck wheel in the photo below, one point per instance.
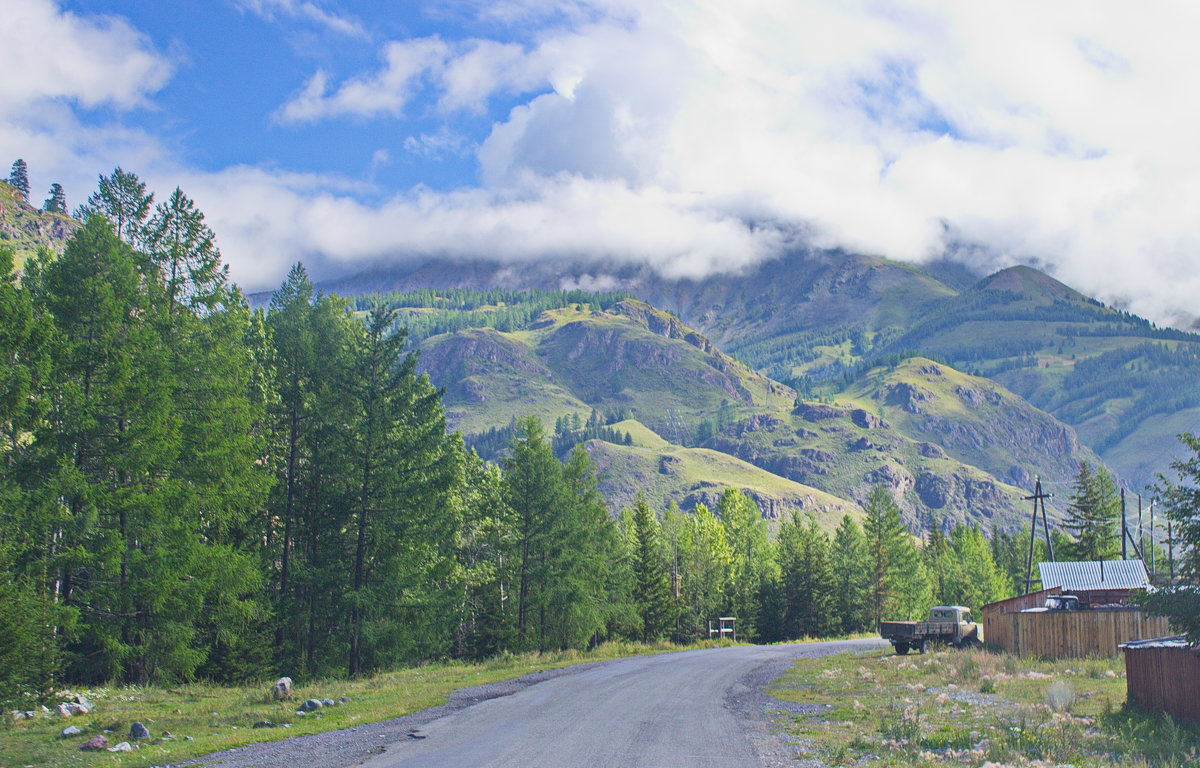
[
  {"x": 921, "y": 647},
  {"x": 902, "y": 648}
]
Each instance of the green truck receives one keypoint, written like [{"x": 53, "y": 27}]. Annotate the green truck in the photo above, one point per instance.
[{"x": 950, "y": 624}]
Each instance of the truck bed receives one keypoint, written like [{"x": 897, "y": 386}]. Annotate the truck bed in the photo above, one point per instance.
[{"x": 917, "y": 629}]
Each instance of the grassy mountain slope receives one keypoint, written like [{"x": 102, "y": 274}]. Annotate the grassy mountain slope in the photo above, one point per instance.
[
  {"x": 847, "y": 451},
  {"x": 688, "y": 476},
  {"x": 25, "y": 229},
  {"x": 679, "y": 389},
  {"x": 1113, "y": 376},
  {"x": 976, "y": 420},
  {"x": 572, "y": 359}
]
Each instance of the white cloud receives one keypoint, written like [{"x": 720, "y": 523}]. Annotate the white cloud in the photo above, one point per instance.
[
  {"x": 1056, "y": 133},
  {"x": 308, "y": 11},
  {"x": 91, "y": 61},
  {"x": 701, "y": 136},
  {"x": 385, "y": 92}
]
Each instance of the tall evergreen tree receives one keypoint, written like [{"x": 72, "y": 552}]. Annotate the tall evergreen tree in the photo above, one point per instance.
[
  {"x": 123, "y": 200},
  {"x": 807, "y": 579},
  {"x": 18, "y": 179},
  {"x": 1093, "y": 513},
  {"x": 900, "y": 586},
  {"x": 1180, "y": 494},
  {"x": 652, "y": 590},
  {"x": 705, "y": 570},
  {"x": 850, "y": 566}
]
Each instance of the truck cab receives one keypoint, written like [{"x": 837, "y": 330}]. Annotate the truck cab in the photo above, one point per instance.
[{"x": 1062, "y": 603}]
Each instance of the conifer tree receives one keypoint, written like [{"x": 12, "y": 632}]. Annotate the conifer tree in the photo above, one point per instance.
[
  {"x": 706, "y": 566},
  {"x": 850, "y": 566},
  {"x": 652, "y": 591},
  {"x": 753, "y": 558},
  {"x": 18, "y": 179},
  {"x": 1180, "y": 495},
  {"x": 900, "y": 585},
  {"x": 1093, "y": 512},
  {"x": 808, "y": 581},
  {"x": 57, "y": 201},
  {"x": 122, "y": 199},
  {"x": 974, "y": 579}
]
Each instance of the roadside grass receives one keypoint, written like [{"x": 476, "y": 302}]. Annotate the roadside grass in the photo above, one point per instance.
[
  {"x": 977, "y": 708},
  {"x": 217, "y": 717}
]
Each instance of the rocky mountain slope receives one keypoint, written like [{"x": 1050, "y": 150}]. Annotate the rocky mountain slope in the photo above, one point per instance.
[
  {"x": 701, "y": 420},
  {"x": 25, "y": 229},
  {"x": 815, "y": 320}
]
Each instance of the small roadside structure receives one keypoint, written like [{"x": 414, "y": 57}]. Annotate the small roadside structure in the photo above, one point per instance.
[{"x": 1164, "y": 673}]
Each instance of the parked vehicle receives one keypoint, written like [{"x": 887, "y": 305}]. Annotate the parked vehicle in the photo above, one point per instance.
[
  {"x": 950, "y": 624},
  {"x": 1063, "y": 603}
]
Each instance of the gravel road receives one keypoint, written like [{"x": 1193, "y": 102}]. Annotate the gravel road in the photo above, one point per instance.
[{"x": 689, "y": 709}]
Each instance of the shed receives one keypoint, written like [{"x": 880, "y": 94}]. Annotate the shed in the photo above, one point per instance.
[
  {"x": 1097, "y": 582},
  {"x": 1164, "y": 673}
]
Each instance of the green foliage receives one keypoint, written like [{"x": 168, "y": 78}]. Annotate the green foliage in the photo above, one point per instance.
[
  {"x": 849, "y": 563},
  {"x": 753, "y": 559},
  {"x": 651, "y": 590},
  {"x": 808, "y": 580},
  {"x": 57, "y": 201},
  {"x": 18, "y": 178},
  {"x": 899, "y": 583},
  {"x": 1181, "y": 498},
  {"x": 1093, "y": 514}
]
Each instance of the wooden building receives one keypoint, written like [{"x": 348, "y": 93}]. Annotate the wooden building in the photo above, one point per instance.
[{"x": 1164, "y": 673}]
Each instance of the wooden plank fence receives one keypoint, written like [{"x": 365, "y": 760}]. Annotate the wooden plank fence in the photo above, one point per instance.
[
  {"x": 997, "y": 632},
  {"x": 1072, "y": 634},
  {"x": 1165, "y": 676}
]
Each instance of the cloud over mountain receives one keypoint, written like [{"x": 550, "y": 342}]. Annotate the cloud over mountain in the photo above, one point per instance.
[{"x": 699, "y": 136}]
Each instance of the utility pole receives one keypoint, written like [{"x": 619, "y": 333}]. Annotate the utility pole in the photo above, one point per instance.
[
  {"x": 1124, "y": 530},
  {"x": 1153, "y": 570},
  {"x": 1170, "y": 551},
  {"x": 1037, "y": 498}
]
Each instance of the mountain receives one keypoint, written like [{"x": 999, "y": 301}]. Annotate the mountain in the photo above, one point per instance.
[
  {"x": 630, "y": 357},
  {"x": 26, "y": 229},
  {"x": 1125, "y": 385},
  {"x": 699, "y": 421},
  {"x": 817, "y": 320},
  {"x": 975, "y": 419},
  {"x": 668, "y": 473}
]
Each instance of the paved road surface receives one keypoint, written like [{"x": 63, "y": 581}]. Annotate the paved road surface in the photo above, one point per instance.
[{"x": 692, "y": 709}]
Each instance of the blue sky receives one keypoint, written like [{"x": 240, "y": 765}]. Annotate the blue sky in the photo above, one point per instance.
[{"x": 696, "y": 136}]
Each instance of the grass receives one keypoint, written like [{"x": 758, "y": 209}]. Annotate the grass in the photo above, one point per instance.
[
  {"x": 219, "y": 717},
  {"x": 977, "y": 708}
]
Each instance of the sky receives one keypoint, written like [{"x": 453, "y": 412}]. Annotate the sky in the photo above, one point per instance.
[{"x": 696, "y": 136}]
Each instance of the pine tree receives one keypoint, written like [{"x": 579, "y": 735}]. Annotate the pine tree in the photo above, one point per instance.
[
  {"x": 974, "y": 579},
  {"x": 807, "y": 581},
  {"x": 57, "y": 201},
  {"x": 18, "y": 179},
  {"x": 652, "y": 590},
  {"x": 850, "y": 565},
  {"x": 1093, "y": 512},
  {"x": 123, "y": 200}
]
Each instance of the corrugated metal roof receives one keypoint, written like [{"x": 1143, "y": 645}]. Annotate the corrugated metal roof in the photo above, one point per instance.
[{"x": 1090, "y": 575}]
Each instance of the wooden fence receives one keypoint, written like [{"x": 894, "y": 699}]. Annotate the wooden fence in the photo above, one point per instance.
[
  {"x": 1166, "y": 676},
  {"x": 998, "y": 632},
  {"x": 1072, "y": 634}
]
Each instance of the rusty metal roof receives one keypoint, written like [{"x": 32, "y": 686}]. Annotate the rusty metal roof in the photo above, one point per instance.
[{"x": 1086, "y": 576}]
